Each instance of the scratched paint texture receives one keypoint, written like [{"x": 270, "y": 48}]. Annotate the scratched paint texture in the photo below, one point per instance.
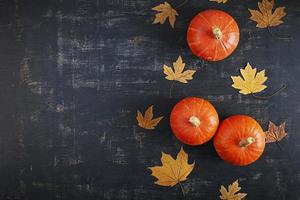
[{"x": 73, "y": 74}]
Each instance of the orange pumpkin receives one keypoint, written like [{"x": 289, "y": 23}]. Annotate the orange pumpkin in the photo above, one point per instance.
[
  {"x": 240, "y": 140},
  {"x": 213, "y": 35},
  {"x": 194, "y": 121}
]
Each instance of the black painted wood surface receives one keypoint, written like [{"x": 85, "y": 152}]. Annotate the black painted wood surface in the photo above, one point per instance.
[{"x": 73, "y": 74}]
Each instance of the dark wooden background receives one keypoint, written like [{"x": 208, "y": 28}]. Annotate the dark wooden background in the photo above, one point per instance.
[{"x": 73, "y": 74}]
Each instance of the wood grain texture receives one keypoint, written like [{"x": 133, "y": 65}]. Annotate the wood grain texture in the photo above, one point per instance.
[{"x": 73, "y": 74}]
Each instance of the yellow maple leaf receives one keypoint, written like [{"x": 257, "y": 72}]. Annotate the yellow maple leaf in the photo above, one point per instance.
[
  {"x": 231, "y": 193},
  {"x": 165, "y": 11},
  {"x": 147, "y": 121},
  {"x": 178, "y": 74},
  {"x": 219, "y": 1},
  {"x": 251, "y": 82},
  {"x": 264, "y": 16},
  {"x": 172, "y": 171}
]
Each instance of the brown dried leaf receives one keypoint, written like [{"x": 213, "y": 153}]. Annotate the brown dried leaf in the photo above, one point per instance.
[
  {"x": 231, "y": 193},
  {"x": 264, "y": 16},
  {"x": 147, "y": 121},
  {"x": 172, "y": 171},
  {"x": 165, "y": 11},
  {"x": 275, "y": 133}
]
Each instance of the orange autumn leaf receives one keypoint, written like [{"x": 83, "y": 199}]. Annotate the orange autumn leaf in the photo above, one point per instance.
[
  {"x": 178, "y": 74},
  {"x": 231, "y": 193},
  {"x": 147, "y": 121},
  {"x": 275, "y": 133},
  {"x": 265, "y": 17},
  {"x": 165, "y": 11},
  {"x": 251, "y": 81},
  {"x": 172, "y": 171}
]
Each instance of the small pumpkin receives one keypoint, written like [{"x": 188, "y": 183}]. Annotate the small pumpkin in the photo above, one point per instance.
[
  {"x": 194, "y": 120},
  {"x": 240, "y": 140},
  {"x": 213, "y": 35}
]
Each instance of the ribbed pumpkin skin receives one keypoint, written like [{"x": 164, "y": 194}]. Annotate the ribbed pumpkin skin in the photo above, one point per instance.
[
  {"x": 184, "y": 130},
  {"x": 202, "y": 41},
  {"x": 231, "y": 131}
]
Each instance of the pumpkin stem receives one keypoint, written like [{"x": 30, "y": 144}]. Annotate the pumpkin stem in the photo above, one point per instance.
[
  {"x": 217, "y": 32},
  {"x": 246, "y": 141},
  {"x": 194, "y": 121}
]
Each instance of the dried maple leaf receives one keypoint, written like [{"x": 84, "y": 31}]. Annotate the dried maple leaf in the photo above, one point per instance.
[
  {"x": 172, "y": 171},
  {"x": 165, "y": 11},
  {"x": 178, "y": 74},
  {"x": 264, "y": 17},
  {"x": 147, "y": 121},
  {"x": 231, "y": 193},
  {"x": 219, "y": 1},
  {"x": 251, "y": 82},
  {"x": 275, "y": 133}
]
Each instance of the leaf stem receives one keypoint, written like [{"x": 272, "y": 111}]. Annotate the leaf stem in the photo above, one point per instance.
[
  {"x": 271, "y": 95},
  {"x": 182, "y": 189},
  {"x": 182, "y": 4},
  {"x": 276, "y": 36},
  {"x": 279, "y": 146},
  {"x": 171, "y": 88}
]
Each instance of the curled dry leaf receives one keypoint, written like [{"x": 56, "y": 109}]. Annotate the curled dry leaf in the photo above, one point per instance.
[
  {"x": 264, "y": 16},
  {"x": 275, "y": 133},
  {"x": 219, "y": 1},
  {"x": 251, "y": 82},
  {"x": 178, "y": 74},
  {"x": 147, "y": 121},
  {"x": 231, "y": 193},
  {"x": 172, "y": 171},
  {"x": 165, "y": 11}
]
